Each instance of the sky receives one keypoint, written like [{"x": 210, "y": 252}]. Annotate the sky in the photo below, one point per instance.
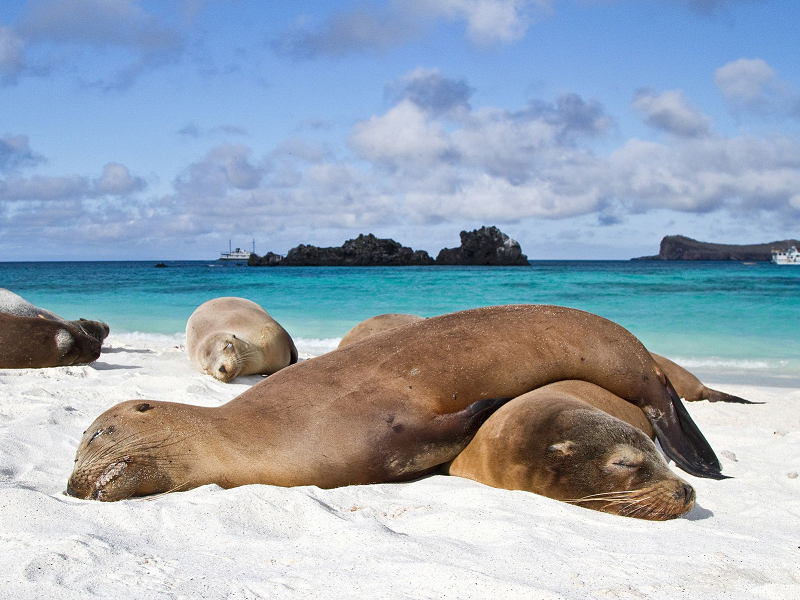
[{"x": 584, "y": 129}]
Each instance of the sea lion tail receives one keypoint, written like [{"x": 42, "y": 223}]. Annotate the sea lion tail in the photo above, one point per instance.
[
  {"x": 717, "y": 396},
  {"x": 683, "y": 442}
]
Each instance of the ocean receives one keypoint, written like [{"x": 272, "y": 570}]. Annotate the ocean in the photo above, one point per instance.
[{"x": 740, "y": 322}]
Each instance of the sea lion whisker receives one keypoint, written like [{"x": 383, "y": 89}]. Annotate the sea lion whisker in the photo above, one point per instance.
[
  {"x": 602, "y": 495},
  {"x": 161, "y": 494}
]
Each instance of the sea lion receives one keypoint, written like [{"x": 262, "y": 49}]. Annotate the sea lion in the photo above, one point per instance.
[
  {"x": 687, "y": 385},
  {"x": 690, "y": 388},
  {"x": 33, "y": 342},
  {"x": 554, "y": 443},
  {"x": 375, "y": 325},
  {"x": 14, "y": 304},
  {"x": 389, "y": 408},
  {"x": 228, "y": 337}
]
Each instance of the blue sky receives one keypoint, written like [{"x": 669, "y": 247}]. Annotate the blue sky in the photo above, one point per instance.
[{"x": 583, "y": 129}]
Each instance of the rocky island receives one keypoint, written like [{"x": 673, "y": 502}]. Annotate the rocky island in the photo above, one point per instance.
[
  {"x": 679, "y": 247},
  {"x": 363, "y": 251},
  {"x": 485, "y": 246}
]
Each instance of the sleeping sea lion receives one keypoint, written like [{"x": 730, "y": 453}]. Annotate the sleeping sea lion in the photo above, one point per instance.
[
  {"x": 554, "y": 443},
  {"x": 33, "y": 342},
  {"x": 13, "y": 304},
  {"x": 229, "y": 337},
  {"x": 389, "y": 408}
]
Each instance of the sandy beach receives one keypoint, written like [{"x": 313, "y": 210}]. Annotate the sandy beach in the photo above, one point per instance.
[{"x": 439, "y": 537}]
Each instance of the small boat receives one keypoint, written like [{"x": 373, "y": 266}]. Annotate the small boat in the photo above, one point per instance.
[
  {"x": 238, "y": 254},
  {"x": 790, "y": 256}
]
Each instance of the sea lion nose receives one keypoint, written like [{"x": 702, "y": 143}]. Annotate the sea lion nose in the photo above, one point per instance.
[
  {"x": 685, "y": 493},
  {"x": 222, "y": 369},
  {"x": 70, "y": 490}
]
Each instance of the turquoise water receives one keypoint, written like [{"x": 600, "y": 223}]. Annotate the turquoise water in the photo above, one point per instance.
[{"x": 731, "y": 317}]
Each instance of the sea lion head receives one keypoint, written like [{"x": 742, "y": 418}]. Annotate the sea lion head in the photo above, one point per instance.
[
  {"x": 76, "y": 348},
  {"x": 222, "y": 356},
  {"x": 131, "y": 450},
  {"x": 96, "y": 329},
  {"x": 606, "y": 464}
]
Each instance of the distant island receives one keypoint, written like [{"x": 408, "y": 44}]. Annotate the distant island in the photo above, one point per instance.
[
  {"x": 679, "y": 247},
  {"x": 487, "y": 246}
]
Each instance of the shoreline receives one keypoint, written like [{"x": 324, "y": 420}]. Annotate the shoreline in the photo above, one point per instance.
[{"x": 434, "y": 537}]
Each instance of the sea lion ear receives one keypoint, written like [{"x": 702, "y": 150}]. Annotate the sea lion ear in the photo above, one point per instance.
[{"x": 563, "y": 448}]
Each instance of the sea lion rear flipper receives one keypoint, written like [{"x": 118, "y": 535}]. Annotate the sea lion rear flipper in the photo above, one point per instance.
[
  {"x": 682, "y": 440},
  {"x": 717, "y": 396}
]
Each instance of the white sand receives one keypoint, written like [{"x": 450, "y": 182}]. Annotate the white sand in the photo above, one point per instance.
[{"x": 441, "y": 537}]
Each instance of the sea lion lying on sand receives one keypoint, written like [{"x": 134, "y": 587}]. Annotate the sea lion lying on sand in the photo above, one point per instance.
[
  {"x": 13, "y": 304},
  {"x": 33, "y": 342},
  {"x": 576, "y": 442},
  {"x": 389, "y": 408},
  {"x": 229, "y": 337}
]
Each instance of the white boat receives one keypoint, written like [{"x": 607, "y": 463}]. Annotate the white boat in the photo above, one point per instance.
[
  {"x": 790, "y": 256},
  {"x": 238, "y": 254}
]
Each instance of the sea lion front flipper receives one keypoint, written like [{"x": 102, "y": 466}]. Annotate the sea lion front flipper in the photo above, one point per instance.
[
  {"x": 443, "y": 438},
  {"x": 681, "y": 439},
  {"x": 717, "y": 396}
]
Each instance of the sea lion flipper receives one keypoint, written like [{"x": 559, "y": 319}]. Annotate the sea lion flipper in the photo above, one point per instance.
[
  {"x": 458, "y": 428},
  {"x": 682, "y": 441},
  {"x": 717, "y": 396}
]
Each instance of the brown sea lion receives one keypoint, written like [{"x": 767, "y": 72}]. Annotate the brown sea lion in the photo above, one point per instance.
[
  {"x": 33, "y": 342},
  {"x": 389, "y": 408},
  {"x": 375, "y": 325},
  {"x": 690, "y": 387},
  {"x": 687, "y": 385},
  {"x": 13, "y": 304},
  {"x": 554, "y": 443},
  {"x": 228, "y": 337}
]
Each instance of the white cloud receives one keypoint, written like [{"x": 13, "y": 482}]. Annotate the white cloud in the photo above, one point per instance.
[
  {"x": 751, "y": 84},
  {"x": 117, "y": 180},
  {"x": 404, "y": 135},
  {"x": 488, "y": 21},
  {"x": 671, "y": 112},
  {"x": 741, "y": 174},
  {"x": 745, "y": 79},
  {"x": 225, "y": 167},
  {"x": 380, "y": 27}
]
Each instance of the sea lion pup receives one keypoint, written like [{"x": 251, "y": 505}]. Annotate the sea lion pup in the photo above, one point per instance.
[
  {"x": 690, "y": 388},
  {"x": 33, "y": 342},
  {"x": 389, "y": 408},
  {"x": 375, "y": 325},
  {"x": 13, "y": 304},
  {"x": 554, "y": 443},
  {"x": 228, "y": 337}
]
